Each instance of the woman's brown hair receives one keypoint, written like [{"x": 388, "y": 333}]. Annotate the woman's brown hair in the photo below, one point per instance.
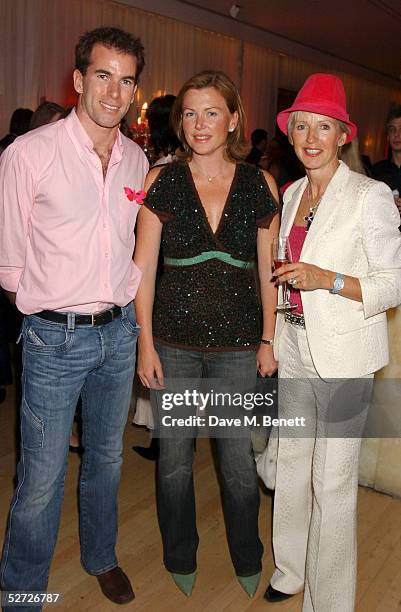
[{"x": 236, "y": 144}]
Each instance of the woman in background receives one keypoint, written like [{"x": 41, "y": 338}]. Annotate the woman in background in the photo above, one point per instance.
[
  {"x": 162, "y": 135},
  {"x": 47, "y": 112}
]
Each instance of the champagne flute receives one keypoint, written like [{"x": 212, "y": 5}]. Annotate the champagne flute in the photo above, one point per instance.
[{"x": 281, "y": 256}]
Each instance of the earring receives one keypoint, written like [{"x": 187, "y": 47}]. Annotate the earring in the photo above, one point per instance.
[{"x": 231, "y": 129}]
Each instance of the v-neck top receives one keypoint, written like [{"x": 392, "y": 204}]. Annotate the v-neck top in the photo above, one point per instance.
[{"x": 211, "y": 305}]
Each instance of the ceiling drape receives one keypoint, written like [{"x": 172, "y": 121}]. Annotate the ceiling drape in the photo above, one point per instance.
[{"x": 37, "y": 55}]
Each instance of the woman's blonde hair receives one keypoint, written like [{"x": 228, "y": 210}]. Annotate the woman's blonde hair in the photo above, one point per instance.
[
  {"x": 351, "y": 156},
  {"x": 295, "y": 115},
  {"x": 236, "y": 148}
]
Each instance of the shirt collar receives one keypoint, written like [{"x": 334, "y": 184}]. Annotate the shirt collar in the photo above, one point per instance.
[{"x": 82, "y": 141}]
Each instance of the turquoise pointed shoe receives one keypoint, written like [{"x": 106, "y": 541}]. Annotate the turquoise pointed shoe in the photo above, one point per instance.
[
  {"x": 249, "y": 583},
  {"x": 185, "y": 582}
]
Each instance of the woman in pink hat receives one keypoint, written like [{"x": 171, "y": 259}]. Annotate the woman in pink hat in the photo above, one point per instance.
[{"x": 346, "y": 272}]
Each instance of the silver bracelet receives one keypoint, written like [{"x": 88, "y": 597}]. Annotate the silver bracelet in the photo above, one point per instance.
[{"x": 269, "y": 342}]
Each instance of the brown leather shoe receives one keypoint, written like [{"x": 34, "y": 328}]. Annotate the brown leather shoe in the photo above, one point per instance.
[{"x": 116, "y": 586}]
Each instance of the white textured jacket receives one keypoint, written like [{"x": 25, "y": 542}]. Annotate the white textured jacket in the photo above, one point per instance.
[{"x": 355, "y": 232}]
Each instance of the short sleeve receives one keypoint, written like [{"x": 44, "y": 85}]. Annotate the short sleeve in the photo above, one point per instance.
[
  {"x": 266, "y": 205},
  {"x": 159, "y": 197}
]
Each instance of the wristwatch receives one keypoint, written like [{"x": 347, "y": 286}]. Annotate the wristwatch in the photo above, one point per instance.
[{"x": 338, "y": 283}]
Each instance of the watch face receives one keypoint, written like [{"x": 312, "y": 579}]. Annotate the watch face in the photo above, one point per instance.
[{"x": 338, "y": 283}]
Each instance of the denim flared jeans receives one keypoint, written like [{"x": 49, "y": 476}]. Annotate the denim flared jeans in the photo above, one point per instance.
[{"x": 238, "y": 477}]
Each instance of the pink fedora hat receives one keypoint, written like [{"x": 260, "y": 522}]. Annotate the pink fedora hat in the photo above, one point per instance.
[{"x": 322, "y": 94}]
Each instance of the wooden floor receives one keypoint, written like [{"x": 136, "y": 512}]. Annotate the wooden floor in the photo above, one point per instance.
[{"x": 140, "y": 553}]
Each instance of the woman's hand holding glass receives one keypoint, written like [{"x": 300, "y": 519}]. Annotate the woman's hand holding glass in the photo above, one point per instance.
[{"x": 304, "y": 276}]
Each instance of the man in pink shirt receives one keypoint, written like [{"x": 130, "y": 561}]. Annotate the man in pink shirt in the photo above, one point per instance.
[{"x": 69, "y": 196}]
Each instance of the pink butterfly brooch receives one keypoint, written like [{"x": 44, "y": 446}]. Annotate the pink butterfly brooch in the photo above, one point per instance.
[{"x": 132, "y": 195}]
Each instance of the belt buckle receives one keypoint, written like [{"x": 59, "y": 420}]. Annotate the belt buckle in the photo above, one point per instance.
[{"x": 101, "y": 318}]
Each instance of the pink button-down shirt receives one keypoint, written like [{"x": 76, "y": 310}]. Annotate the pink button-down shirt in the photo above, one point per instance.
[{"x": 66, "y": 232}]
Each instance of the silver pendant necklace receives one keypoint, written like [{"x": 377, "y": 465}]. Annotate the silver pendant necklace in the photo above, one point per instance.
[{"x": 312, "y": 208}]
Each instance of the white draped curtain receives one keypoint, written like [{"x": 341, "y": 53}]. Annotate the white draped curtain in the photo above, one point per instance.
[
  {"x": 38, "y": 39},
  {"x": 37, "y": 58},
  {"x": 368, "y": 105},
  {"x": 259, "y": 83}
]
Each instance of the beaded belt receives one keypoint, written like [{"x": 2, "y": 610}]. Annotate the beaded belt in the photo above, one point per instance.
[
  {"x": 295, "y": 319},
  {"x": 205, "y": 256}
]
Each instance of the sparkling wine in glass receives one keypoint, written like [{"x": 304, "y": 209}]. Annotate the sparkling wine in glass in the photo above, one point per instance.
[{"x": 281, "y": 256}]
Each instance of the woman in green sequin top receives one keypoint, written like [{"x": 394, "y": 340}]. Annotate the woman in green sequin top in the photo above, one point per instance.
[{"x": 212, "y": 214}]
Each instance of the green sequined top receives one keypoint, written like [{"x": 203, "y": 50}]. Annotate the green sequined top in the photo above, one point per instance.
[{"x": 213, "y": 305}]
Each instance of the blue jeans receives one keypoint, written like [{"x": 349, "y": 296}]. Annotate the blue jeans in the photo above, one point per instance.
[
  {"x": 60, "y": 362},
  {"x": 239, "y": 481}
]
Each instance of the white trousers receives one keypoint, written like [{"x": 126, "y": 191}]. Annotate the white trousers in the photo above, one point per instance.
[{"x": 314, "y": 521}]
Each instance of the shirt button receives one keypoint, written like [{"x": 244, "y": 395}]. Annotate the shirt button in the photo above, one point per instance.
[
  {"x": 106, "y": 254},
  {"x": 104, "y": 225}
]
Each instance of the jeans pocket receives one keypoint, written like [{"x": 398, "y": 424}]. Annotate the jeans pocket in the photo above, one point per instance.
[
  {"x": 34, "y": 338},
  {"x": 46, "y": 337},
  {"x": 128, "y": 320},
  {"x": 32, "y": 429}
]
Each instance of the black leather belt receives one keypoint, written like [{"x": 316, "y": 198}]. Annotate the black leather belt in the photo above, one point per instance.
[{"x": 100, "y": 318}]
